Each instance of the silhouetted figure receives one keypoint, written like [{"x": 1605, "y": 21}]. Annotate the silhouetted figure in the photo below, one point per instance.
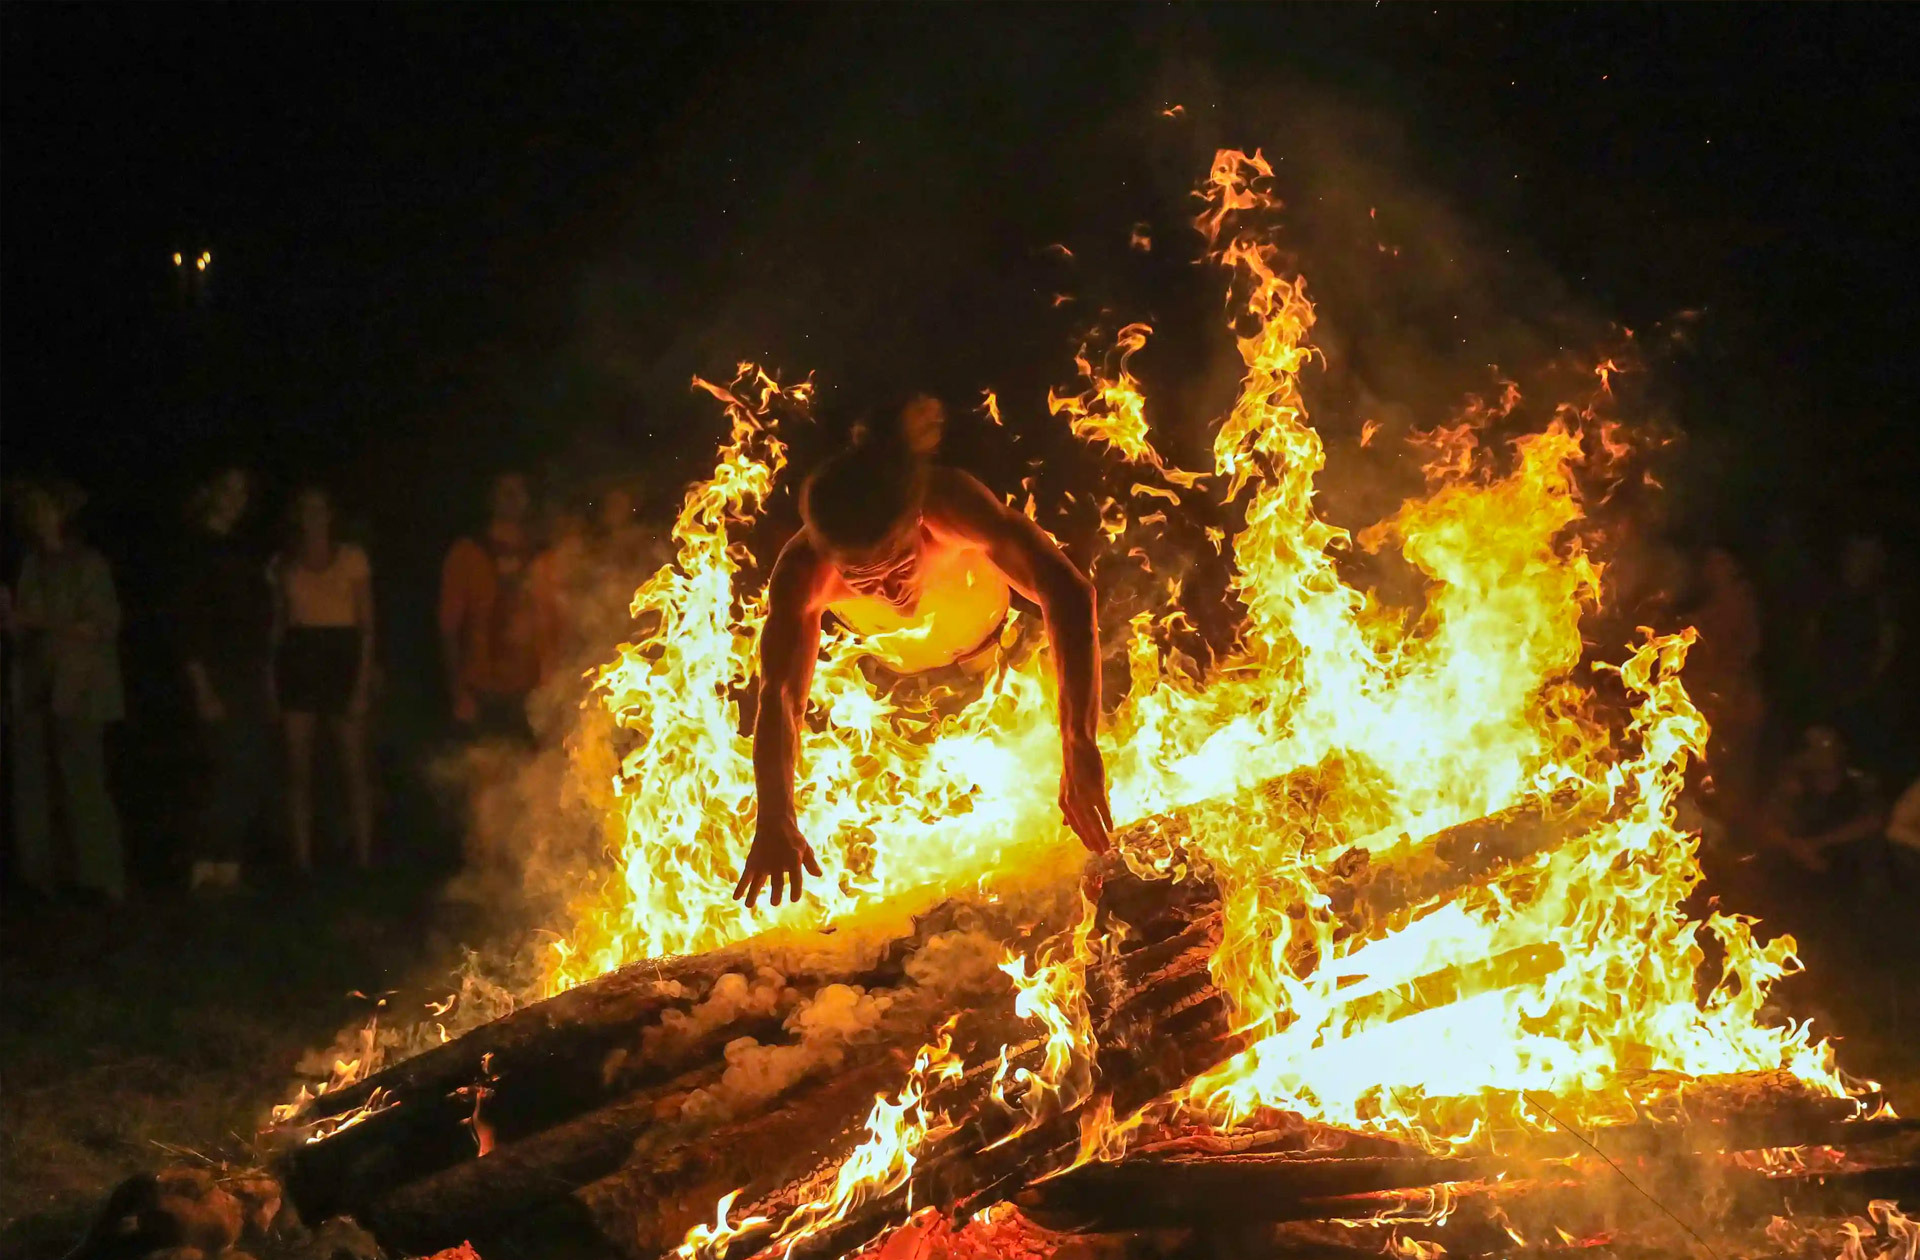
[
  {"x": 225, "y": 624},
  {"x": 67, "y": 688},
  {"x": 323, "y": 667},
  {"x": 489, "y": 619},
  {"x": 1903, "y": 834},
  {"x": 1826, "y": 816},
  {"x": 1721, "y": 674},
  {"x": 1853, "y": 640}
]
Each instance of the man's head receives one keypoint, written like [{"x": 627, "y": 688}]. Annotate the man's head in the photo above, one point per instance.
[
  {"x": 45, "y": 507},
  {"x": 1823, "y": 756},
  {"x": 1720, "y": 569},
  {"x": 618, "y": 508},
  {"x": 221, "y": 501},
  {"x": 566, "y": 526},
  {"x": 862, "y": 507},
  {"x": 509, "y": 499},
  {"x": 311, "y": 512}
]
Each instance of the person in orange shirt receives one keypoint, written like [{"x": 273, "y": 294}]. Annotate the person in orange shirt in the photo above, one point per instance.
[{"x": 489, "y": 619}]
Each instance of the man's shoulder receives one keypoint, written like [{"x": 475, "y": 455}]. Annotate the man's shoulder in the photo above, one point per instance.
[
  {"x": 801, "y": 570},
  {"x": 798, "y": 555},
  {"x": 466, "y": 549},
  {"x": 467, "y": 563},
  {"x": 945, "y": 479},
  {"x": 956, "y": 496}
]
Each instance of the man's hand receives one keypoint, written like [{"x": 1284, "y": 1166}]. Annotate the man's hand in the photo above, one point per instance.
[
  {"x": 779, "y": 852},
  {"x": 1083, "y": 794}
]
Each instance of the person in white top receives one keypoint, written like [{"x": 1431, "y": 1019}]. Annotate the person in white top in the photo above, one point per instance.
[{"x": 323, "y": 666}]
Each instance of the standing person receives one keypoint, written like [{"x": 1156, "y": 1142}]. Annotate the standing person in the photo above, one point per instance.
[
  {"x": 67, "y": 688},
  {"x": 1854, "y": 641},
  {"x": 323, "y": 667},
  {"x": 489, "y": 618},
  {"x": 1722, "y": 669},
  {"x": 1826, "y": 813},
  {"x": 225, "y": 622}
]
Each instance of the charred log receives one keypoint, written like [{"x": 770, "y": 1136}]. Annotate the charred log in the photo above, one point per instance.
[
  {"x": 582, "y": 1099},
  {"x": 603, "y": 1047}
]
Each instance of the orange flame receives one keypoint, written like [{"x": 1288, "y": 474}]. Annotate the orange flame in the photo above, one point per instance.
[{"x": 1569, "y": 973}]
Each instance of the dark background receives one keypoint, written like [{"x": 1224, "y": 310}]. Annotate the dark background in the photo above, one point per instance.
[{"x": 449, "y": 240}]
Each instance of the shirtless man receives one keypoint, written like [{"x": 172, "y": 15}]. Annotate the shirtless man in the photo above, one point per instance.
[{"x": 893, "y": 542}]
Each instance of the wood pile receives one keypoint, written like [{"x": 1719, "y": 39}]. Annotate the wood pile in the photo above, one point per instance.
[{"x": 611, "y": 1119}]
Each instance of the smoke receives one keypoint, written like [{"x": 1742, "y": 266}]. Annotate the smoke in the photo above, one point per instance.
[
  {"x": 1425, "y": 315},
  {"x": 534, "y": 814},
  {"x": 1431, "y": 316}
]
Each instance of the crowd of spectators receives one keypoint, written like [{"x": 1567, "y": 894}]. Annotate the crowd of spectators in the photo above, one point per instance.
[
  {"x": 1806, "y": 673},
  {"x": 1810, "y": 793},
  {"x": 275, "y": 637}
]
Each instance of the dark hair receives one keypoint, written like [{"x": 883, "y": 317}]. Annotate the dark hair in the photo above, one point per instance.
[
  {"x": 200, "y": 499},
  {"x": 64, "y": 496},
  {"x": 857, "y": 498},
  {"x": 292, "y": 510}
]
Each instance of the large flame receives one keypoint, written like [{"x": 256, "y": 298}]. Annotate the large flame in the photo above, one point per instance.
[{"x": 1571, "y": 973}]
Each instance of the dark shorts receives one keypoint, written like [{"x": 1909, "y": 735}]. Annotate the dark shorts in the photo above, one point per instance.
[{"x": 317, "y": 669}]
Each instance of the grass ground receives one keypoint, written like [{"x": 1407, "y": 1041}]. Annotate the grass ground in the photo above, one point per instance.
[{"x": 163, "y": 1032}]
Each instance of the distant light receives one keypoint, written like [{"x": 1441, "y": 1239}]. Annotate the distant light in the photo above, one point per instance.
[{"x": 176, "y": 259}]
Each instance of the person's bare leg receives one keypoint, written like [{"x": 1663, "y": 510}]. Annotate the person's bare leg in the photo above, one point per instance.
[
  {"x": 300, "y": 788},
  {"x": 351, "y": 732}
]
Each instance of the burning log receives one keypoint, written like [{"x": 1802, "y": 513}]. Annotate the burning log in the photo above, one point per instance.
[
  {"x": 591, "y": 1103},
  {"x": 1165, "y": 1028},
  {"x": 584, "y": 1025},
  {"x": 577, "y": 1071},
  {"x": 1239, "y": 1189}
]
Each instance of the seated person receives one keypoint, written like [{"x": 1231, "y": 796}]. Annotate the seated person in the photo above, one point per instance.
[{"x": 1824, "y": 810}]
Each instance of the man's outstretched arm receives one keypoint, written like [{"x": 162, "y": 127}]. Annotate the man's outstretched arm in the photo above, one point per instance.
[
  {"x": 789, "y": 645},
  {"x": 1037, "y": 567}
]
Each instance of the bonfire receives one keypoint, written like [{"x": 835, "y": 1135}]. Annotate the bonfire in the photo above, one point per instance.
[{"x": 1399, "y": 953}]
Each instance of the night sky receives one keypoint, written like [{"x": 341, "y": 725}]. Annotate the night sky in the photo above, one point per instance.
[{"x": 446, "y": 240}]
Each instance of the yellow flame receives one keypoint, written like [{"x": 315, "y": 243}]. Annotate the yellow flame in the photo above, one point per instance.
[
  {"x": 704, "y": 1241},
  {"x": 1054, "y": 995},
  {"x": 1886, "y": 1234},
  {"x": 1570, "y": 972},
  {"x": 881, "y": 1164},
  {"x": 1111, "y": 410}
]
